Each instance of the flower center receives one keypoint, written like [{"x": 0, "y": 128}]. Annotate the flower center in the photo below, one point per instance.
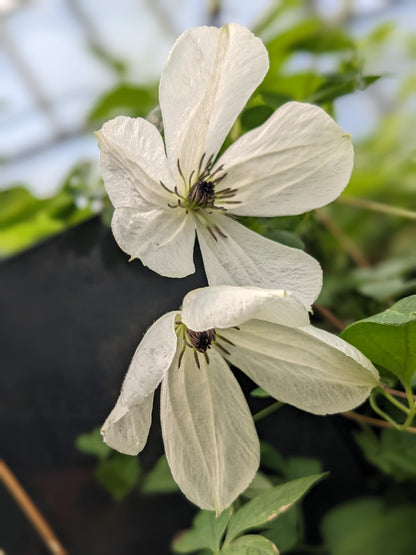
[
  {"x": 201, "y": 194},
  {"x": 201, "y": 340}
]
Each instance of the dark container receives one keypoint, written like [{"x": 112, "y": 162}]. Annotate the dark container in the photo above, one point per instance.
[{"x": 73, "y": 311}]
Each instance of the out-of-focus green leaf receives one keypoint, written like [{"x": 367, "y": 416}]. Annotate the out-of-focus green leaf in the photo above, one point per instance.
[
  {"x": 300, "y": 87},
  {"x": 286, "y": 238},
  {"x": 298, "y": 467},
  {"x": 277, "y": 229},
  {"x": 393, "y": 452},
  {"x": 259, "y": 392},
  {"x": 368, "y": 526},
  {"x": 25, "y": 220},
  {"x": 93, "y": 444},
  {"x": 17, "y": 204},
  {"x": 380, "y": 33},
  {"x": 113, "y": 62},
  {"x": 250, "y": 545},
  {"x": 255, "y": 116},
  {"x": 271, "y": 458},
  {"x": 310, "y": 35},
  {"x": 206, "y": 532},
  {"x": 389, "y": 338},
  {"x": 159, "y": 479},
  {"x": 274, "y": 15},
  {"x": 267, "y": 506},
  {"x": 258, "y": 485},
  {"x": 385, "y": 165},
  {"x": 128, "y": 100},
  {"x": 337, "y": 85},
  {"x": 387, "y": 279},
  {"x": 118, "y": 475},
  {"x": 284, "y": 531}
]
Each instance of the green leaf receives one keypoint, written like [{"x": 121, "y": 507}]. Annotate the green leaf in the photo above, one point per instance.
[
  {"x": 298, "y": 467},
  {"x": 24, "y": 234},
  {"x": 310, "y": 35},
  {"x": 259, "y": 393},
  {"x": 269, "y": 505},
  {"x": 270, "y": 228},
  {"x": 393, "y": 452},
  {"x": 113, "y": 62},
  {"x": 368, "y": 526},
  {"x": 389, "y": 338},
  {"x": 159, "y": 479},
  {"x": 299, "y": 86},
  {"x": 286, "y": 238},
  {"x": 337, "y": 85},
  {"x": 258, "y": 485},
  {"x": 388, "y": 278},
  {"x": 124, "y": 99},
  {"x": 250, "y": 545},
  {"x": 118, "y": 475},
  {"x": 17, "y": 204},
  {"x": 255, "y": 116},
  {"x": 271, "y": 458},
  {"x": 206, "y": 532},
  {"x": 25, "y": 219},
  {"x": 93, "y": 444},
  {"x": 285, "y": 531}
]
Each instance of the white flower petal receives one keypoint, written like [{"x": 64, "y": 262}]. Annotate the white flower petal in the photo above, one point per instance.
[
  {"x": 126, "y": 428},
  {"x": 341, "y": 345},
  {"x": 301, "y": 367},
  {"x": 163, "y": 238},
  {"x": 227, "y": 305},
  {"x": 208, "y": 78},
  {"x": 133, "y": 162},
  {"x": 151, "y": 360},
  {"x": 246, "y": 258},
  {"x": 210, "y": 440},
  {"x": 299, "y": 159}
]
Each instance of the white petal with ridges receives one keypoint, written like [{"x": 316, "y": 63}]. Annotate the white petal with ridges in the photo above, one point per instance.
[
  {"x": 151, "y": 360},
  {"x": 298, "y": 160},
  {"x": 208, "y": 78},
  {"x": 127, "y": 427},
  {"x": 301, "y": 368},
  {"x": 246, "y": 258},
  {"x": 210, "y": 440},
  {"x": 162, "y": 238},
  {"x": 225, "y": 306},
  {"x": 334, "y": 341},
  {"x": 133, "y": 162}
]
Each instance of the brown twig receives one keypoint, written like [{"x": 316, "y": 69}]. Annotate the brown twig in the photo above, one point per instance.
[
  {"x": 397, "y": 393},
  {"x": 344, "y": 240},
  {"x": 373, "y": 421},
  {"x": 336, "y": 322},
  {"x": 31, "y": 511},
  {"x": 378, "y": 207}
]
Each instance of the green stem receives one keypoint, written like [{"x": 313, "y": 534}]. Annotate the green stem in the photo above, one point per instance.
[
  {"x": 268, "y": 410},
  {"x": 409, "y": 410},
  {"x": 412, "y": 406},
  {"x": 378, "y": 207},
  {"x": 393, "y": 400},
  {"x": 381, "y": 412}
]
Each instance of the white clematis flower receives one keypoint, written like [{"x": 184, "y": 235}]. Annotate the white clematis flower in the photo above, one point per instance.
[
  {"x": 298, "y": 160},
  {"x": 210, "y": 440}
]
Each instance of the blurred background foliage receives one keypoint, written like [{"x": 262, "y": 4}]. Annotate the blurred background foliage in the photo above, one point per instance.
[{"x": 365, "y": 241}]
